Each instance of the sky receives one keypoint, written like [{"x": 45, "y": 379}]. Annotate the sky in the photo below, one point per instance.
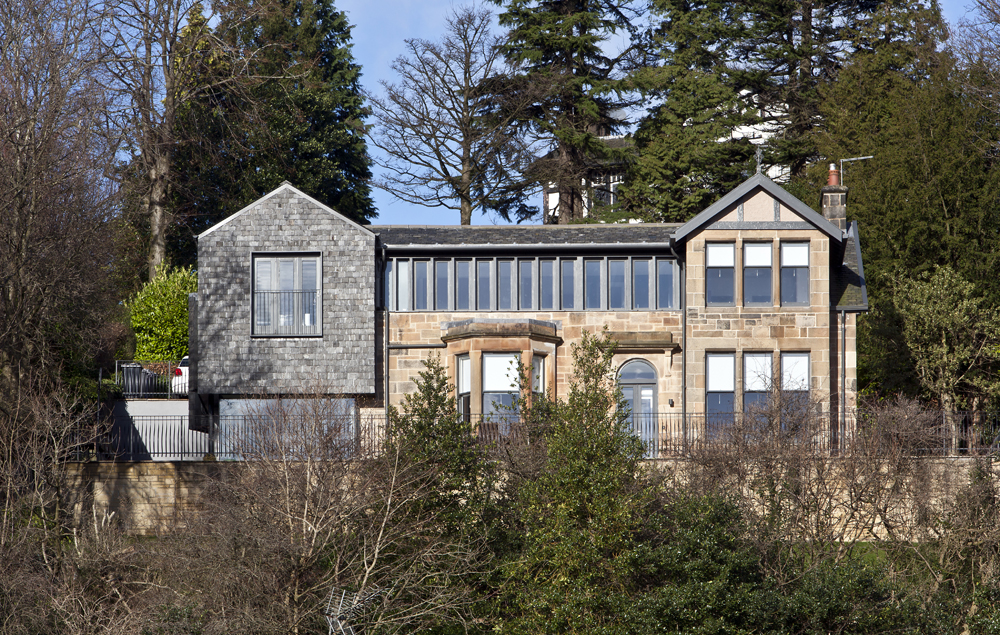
[{"x": 381, "y": 28}]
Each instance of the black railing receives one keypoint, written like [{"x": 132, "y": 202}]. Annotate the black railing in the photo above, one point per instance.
[
  {"x": 286, "y": 313},
  {"x": 160, "y": 379},
  {"x": 665, "y": 435}
]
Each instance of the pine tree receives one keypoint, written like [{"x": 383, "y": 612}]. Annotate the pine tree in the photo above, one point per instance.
[
  {"x": 687, "y": 155},
  {"x": 557, "y": 45}
]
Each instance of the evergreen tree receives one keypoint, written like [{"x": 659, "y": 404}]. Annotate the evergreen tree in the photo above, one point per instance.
[
  {"x": 300, "y": 120},
  {"x": 557, "y": 45},
  {"x": 928, "y": 197},
  {"x": 687, "y": 154},
  {"x": 730, "y": 71}
]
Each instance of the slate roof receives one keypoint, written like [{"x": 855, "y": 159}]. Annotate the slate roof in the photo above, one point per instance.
[
  {"x": 401, "y": 236},
  {"x": 848, "y": 289}
]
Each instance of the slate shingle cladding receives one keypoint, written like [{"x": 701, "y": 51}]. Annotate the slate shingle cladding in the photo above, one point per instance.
[{"x": 342, "y": 361}]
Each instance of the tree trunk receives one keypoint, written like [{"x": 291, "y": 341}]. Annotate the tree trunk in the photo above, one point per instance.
[{"x": 158, "y": 174}]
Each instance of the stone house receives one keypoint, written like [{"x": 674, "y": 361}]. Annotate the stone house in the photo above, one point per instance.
[{"x": 757, "y": 292}]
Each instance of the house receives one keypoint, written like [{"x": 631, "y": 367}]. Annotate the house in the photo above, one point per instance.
[{"x": 758, "y": 291}]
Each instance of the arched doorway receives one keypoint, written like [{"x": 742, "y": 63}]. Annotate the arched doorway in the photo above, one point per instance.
[{"x": 637, "y": 379}]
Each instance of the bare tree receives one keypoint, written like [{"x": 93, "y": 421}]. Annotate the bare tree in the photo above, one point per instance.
[
  {"x": 447, "y": 140},
  {"x": 55, "y": 200},
  {"x": 153, "y": 47}
]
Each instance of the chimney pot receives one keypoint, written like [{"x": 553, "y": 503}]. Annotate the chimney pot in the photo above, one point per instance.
[{"x": 834, "y": 177}]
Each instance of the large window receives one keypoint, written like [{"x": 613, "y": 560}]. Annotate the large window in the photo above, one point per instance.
[
  {"x": 757, "y": 273},
  {"x": 795, "y": 274},
  {"x": 720, "y": 391},
  {"x": 286, "y": 295},
  {"x": 499, "y": 383},
  {"x": 719, "y": 278},
  {"x": 637, "y": 380}
]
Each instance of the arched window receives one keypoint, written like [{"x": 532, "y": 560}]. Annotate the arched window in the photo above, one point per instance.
[{"x": 637, "y": 380}]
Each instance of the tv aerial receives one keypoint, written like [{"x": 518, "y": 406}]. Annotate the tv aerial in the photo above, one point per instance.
[{"x": 342, "y": 607}]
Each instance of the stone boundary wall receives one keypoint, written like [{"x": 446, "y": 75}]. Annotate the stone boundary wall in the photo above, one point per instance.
[
  {"x": 149, "y": 498},
  {"x": 144, "y": 497}
]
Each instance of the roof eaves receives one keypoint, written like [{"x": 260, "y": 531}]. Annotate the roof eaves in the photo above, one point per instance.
[
  {"x": 772, "y": 188},
  {"x": 286, "y": 186}
]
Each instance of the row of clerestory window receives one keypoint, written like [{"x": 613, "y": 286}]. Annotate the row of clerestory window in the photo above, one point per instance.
[{"x": 530, "y": 284}]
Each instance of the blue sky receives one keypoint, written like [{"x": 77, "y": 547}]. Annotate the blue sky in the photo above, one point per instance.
[{"x": 380, "y": 29}]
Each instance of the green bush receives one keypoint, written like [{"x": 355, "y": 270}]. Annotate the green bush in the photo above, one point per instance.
[{"x": 159, "y": 314}]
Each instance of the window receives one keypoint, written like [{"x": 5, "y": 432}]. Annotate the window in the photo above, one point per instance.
[
  {"x": 794, "y": 389},
  {"x": 616, "y": 284},
  {"x": 463, "y": 386},
  {"x": 757, "y": 380},
  {"x": 441, "y": 285},
  {"x": 403, "y": 285},
  {"x": 286, "y": 295},
  {"x": 637, "y": 380},
  {"x": 567, "y": 284},
  {"x": 665, "y": 284},
  {"x": 795, "y": 273},
  {"x": 499, "y": 391},
  {"x": 757, "y": 273},
  {"x": 483, "y": 289},
  {"x": 538, "y": 375},
  {"x": 719, "y": 287},
  {"x": 720, "y": 378},
  {"x": 640, "y": 284},
  {"x": 546, "y": 281},
  {"x": 524, "y": 287},
  {"x": 420, "y": 285},
  {"x": 592, "y": 284},
  {"x": 463, "y": 285}
]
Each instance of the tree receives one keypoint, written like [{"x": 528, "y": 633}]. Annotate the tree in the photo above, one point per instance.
[
  {"x": 952, "y": 333},
  {"x": 159, "y": 314},
  {"x": 447, "y": 143},
  {"x": 149, "y": 74},
  {"x": 56, "y": 237},
  {"x": 577, "y": 516},
  {"x": 687, "y": 153},
  {"x": 933, "y": 175},
  {"x": 557, "y": 48}
]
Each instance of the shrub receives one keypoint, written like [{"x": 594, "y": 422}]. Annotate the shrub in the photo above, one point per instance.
[{"x": 159, "y": 314}]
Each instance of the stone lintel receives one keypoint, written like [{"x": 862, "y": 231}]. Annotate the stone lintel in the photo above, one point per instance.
[
  {"x": 656, "y": 340},
  {"x": 531, "y": 329}
]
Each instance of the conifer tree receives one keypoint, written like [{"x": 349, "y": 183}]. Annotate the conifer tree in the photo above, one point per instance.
[{"x": 557, "y": 45}]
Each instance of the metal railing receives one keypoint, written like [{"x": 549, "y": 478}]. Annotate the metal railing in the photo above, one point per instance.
[
  {"x": 151, "y": 379},
  {"x": 291, "y": 313},
  {"x": 664, "y": 435}
]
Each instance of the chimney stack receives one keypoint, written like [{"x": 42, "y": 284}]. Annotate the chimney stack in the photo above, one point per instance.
[{"x": 834, "y": 199}]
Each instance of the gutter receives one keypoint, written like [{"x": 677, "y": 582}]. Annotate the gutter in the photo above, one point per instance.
[
  {"x": 539, "y": 247},
  {"x": 683, "y": 306}
]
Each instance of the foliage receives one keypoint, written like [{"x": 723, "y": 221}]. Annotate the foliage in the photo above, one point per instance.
[
  {"x": 557, "y": 50},
  {"x": 427, "y": 430},
  {"x": 159, "y": 314},
  {"x": 952, "y": 334},
  {"x": 297, "y": 115},
  {"x": 579, "y": 514}
]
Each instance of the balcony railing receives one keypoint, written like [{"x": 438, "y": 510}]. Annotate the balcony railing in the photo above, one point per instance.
[
  {"x": 664, "y": 435},
  {"x": 161, "y": 379},
  {"x": 286, "y": 313}
]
